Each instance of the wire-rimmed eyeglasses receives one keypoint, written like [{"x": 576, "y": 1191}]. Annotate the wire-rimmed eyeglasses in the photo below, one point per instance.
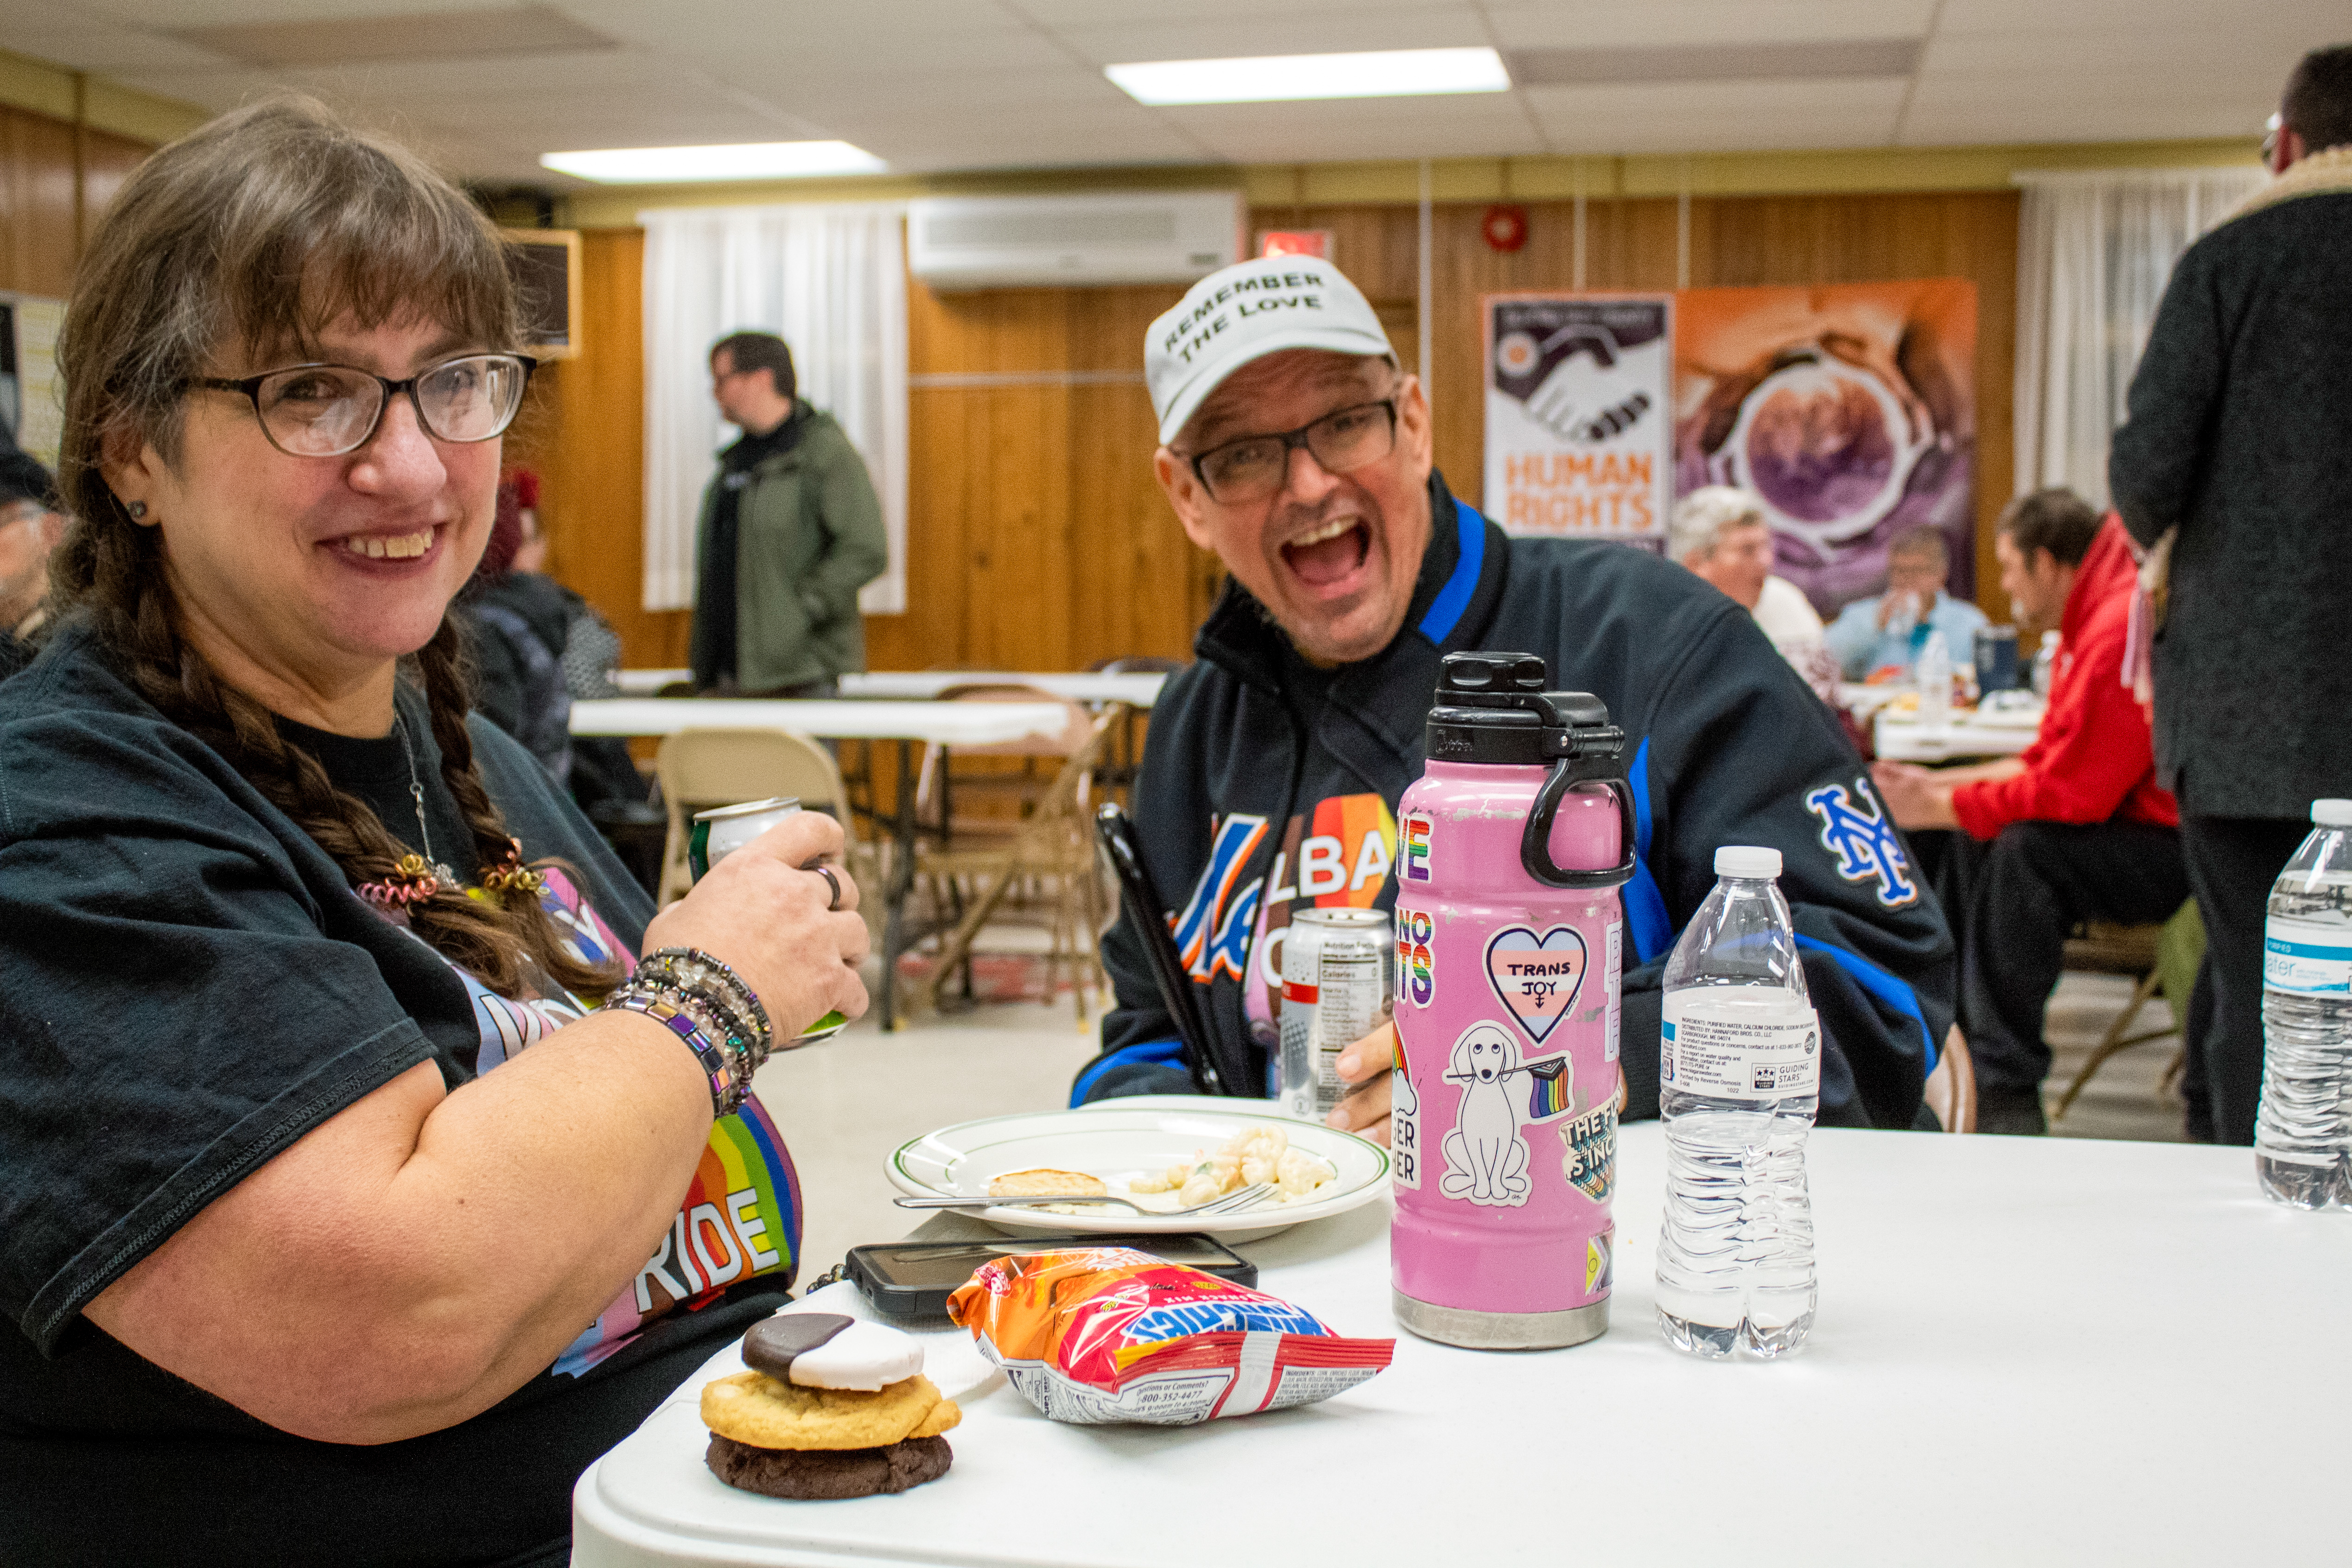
[
  {"x": 1251, "y": 469},
  {"x": 325, "y": 410}
]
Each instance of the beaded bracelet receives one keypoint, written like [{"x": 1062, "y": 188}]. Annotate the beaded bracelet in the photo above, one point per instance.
[
  {"x": 692, "y": 970},
  {"x": 706, "y": 1004}
]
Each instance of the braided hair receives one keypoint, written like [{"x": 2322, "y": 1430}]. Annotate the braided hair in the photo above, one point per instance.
[{"x": 254, "y": 231}]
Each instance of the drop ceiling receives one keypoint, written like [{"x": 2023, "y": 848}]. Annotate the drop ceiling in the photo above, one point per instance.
[{"x": 936, "y": 85}]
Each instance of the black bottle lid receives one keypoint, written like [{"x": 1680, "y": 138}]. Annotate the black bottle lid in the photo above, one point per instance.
[{"x": 1493, "y": 708}]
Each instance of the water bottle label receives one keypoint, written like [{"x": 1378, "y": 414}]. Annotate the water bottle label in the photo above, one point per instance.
[
  {"x": 1739, "y": 1053},
  {"x": 2306, "y": 957}
]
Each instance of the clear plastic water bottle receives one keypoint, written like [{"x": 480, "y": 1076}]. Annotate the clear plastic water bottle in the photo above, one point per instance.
[
  {"x": 2303, "y": 1135},
  {"x": 2045, "y": 665},
  {"x": 1739, "y": 1073},
  {"x": 1934, "y": 674}
]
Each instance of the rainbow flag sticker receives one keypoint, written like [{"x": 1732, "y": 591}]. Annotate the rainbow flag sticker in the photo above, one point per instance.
[{"x": 1552, "y": 1093}]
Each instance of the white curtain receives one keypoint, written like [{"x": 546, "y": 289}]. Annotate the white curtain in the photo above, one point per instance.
[
  {"x": 831, "y": 280},
  {"x": 2093, "y": 251}
]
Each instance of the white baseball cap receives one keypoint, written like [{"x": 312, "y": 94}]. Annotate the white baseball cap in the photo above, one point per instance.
[{"x": 1246, "y": 312}]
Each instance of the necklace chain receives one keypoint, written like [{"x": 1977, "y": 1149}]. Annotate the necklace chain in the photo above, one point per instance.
[{"x": 417, "y": 794}]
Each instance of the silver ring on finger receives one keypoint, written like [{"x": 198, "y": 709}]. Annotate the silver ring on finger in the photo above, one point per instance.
[{"x": 832, "y": 882}]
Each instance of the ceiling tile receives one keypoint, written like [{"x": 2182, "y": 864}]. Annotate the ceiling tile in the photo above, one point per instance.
[
  {"x": 1717, "y": 116},
  {"x": 1610, "y": 24},
  {"x": 1336, "y": 13},
  {"x": 1273, "y": 32},
  {"x": 1479, "y": 125},
  {"x": 102, "y": 47}
]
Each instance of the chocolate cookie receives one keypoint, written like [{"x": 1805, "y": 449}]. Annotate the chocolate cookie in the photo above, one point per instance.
[{"x": 822, "y": 1475}]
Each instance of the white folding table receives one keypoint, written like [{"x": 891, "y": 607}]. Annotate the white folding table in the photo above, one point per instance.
[
  {"x": 2028, "y": 1350},
  {"x": 942, "y": 724},
  {"x": 1905, "y": 739},
  {"x": 1138, "y": 691}
]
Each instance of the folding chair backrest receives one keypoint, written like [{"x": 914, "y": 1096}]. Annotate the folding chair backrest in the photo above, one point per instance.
[
  {"x": 701, "y": 768},
  {"x": 1077, "y": 724}
]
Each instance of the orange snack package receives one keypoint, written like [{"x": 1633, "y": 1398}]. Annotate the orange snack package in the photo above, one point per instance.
[{"x": 1107, "y": 1334}]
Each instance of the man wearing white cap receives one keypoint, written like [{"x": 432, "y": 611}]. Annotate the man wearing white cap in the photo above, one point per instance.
[{"x": 1294, "y": 447}]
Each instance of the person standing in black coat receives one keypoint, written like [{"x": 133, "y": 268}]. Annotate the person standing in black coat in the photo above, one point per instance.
[{"x": 2238, "y": 451}]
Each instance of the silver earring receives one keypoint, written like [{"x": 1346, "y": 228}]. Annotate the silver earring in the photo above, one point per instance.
[{"x": 137, "y": 511}]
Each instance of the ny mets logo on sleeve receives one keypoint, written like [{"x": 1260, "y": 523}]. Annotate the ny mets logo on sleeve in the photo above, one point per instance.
[{"x": 1863, "y": 841}]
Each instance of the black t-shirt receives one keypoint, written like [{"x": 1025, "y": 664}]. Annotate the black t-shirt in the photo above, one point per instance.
[
  {"x": 715, "y": 601},
  {"x": 187, "y": 986}
]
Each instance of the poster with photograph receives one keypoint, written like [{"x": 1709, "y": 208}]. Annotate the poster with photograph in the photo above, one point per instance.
[
  {"x": 1849, "y": 409},
  {"x": 29, "y": 401},
  {"x": 1579, "y": 436}
]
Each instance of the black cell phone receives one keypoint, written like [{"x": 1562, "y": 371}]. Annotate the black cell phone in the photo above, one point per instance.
[{"x": 914, "y": 1279}]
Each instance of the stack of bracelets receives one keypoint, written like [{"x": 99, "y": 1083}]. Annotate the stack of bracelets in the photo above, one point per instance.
[{"x": 706, "y": 1004}]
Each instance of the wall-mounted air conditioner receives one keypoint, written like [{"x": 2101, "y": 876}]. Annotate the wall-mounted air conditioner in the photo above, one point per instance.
[{"x": 1139, "y": 237}]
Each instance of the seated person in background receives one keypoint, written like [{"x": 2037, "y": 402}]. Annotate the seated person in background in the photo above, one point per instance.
[
  {"x": 1721, "y": 535},
  {"x": 1294, "y": 447},
  {"x": 29, "y": 530},
  {"x": 2077, "y": 829},
  {"x": 1887, "y": 632},
  {"x": 537, "y": 646},
  {"x": 340, "y": 1222}
]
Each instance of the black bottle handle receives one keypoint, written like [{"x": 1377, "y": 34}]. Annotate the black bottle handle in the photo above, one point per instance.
[{"x": 1535, "y": 839}]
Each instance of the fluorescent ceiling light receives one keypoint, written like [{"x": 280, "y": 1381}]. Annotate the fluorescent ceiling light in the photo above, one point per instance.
[
  {"x": 743, "y": 161},
  {"x": 1265, "y": 78}
]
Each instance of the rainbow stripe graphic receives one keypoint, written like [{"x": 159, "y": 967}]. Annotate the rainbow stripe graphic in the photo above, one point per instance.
[
  {"x": 1352, "y": 819},
  {"x": 741, "y": 1219},
  {"x": 1553, "y": 1093}
]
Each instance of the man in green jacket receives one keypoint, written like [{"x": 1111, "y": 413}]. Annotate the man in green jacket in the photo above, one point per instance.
[{"x": 790, "y": 531}]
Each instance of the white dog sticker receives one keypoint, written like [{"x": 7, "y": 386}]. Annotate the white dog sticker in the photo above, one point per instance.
[{"x": 1485, "y": 1158}]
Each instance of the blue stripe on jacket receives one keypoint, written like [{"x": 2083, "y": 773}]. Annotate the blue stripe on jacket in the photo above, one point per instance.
[
  {"x": 1156, "y": 1052},
  {"x": 1881, "y": 985},
  {"x": 1445, "y": 610},
  {"x": 1645, "y": 906},
  {"x": 1653, "y": 929}
]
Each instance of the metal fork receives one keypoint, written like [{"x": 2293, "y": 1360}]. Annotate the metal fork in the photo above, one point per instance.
[{"x": 1228, "y": 1204}]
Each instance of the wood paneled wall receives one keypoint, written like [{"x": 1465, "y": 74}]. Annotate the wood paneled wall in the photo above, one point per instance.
[
  {"x": 1738, "y": 242},
  {"x": 56, "y": 181},
  {"x": 1036, "y": 536}
]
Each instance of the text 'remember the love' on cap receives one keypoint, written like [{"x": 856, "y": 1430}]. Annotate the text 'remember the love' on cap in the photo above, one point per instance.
[{"x": 1246, "y": 312}]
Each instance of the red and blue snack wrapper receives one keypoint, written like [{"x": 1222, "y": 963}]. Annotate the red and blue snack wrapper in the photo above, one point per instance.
[{"x": 1107, "y": 1334}]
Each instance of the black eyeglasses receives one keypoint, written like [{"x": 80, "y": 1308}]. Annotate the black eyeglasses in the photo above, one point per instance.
[
  {"x": 325, "y": 410},
  {"x": 1254, "y": 468}
]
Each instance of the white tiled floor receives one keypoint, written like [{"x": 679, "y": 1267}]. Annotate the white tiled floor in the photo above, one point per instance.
[
  {"x": 844, "y": 1105},
  {"x": 2123, "y": 1101}
]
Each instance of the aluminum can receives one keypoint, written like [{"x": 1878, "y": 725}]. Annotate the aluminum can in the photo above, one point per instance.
[
  {"x": 721, "y": 831},
  {"x": 1338, "y": 984},
  {"x": 1503, "y": 1131}
]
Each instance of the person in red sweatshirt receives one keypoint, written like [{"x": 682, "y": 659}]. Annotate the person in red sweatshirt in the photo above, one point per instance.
[{"x": 2075, "y": 829}]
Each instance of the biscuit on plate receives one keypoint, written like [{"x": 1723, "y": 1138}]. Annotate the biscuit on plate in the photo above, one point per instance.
[
  {"x": 827, "y": 1475},
  {"x": 1045, "y": 1182},
  {"x": 754, "y": 1408},
  {"x": 814, "y": 1419}
]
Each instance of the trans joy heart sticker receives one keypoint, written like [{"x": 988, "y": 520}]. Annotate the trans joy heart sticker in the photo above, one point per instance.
[{"x": 1537, "y": 978}]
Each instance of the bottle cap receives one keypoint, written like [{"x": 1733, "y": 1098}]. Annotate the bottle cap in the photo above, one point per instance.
[
  {"x": 1747, "y": 860},
  {"x": 2332, "y": 813}
]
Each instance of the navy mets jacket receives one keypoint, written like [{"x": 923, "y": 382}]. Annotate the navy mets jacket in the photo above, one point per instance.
[{"x": 1268, "y": 785}]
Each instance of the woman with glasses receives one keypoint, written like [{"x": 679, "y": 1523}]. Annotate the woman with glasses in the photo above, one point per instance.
[{"x": 351, "y": 1160}]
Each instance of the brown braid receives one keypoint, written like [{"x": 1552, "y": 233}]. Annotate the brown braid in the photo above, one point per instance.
[{"x": 267, "y": 219}]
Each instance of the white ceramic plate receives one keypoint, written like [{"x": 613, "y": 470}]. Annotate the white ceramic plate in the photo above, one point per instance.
[{"x": 1119, "y": 1140}]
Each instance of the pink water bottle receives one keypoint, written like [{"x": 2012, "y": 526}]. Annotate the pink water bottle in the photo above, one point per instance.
[{"x": 1511, "y": 848}]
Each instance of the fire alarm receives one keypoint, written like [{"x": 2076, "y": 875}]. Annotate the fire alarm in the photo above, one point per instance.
[{"x": 1505, "y": 228}]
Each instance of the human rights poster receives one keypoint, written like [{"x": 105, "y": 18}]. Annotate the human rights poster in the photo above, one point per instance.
[
  {"x": 1580, "y": 442},
  {"x": 1849, "y": 410}
]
